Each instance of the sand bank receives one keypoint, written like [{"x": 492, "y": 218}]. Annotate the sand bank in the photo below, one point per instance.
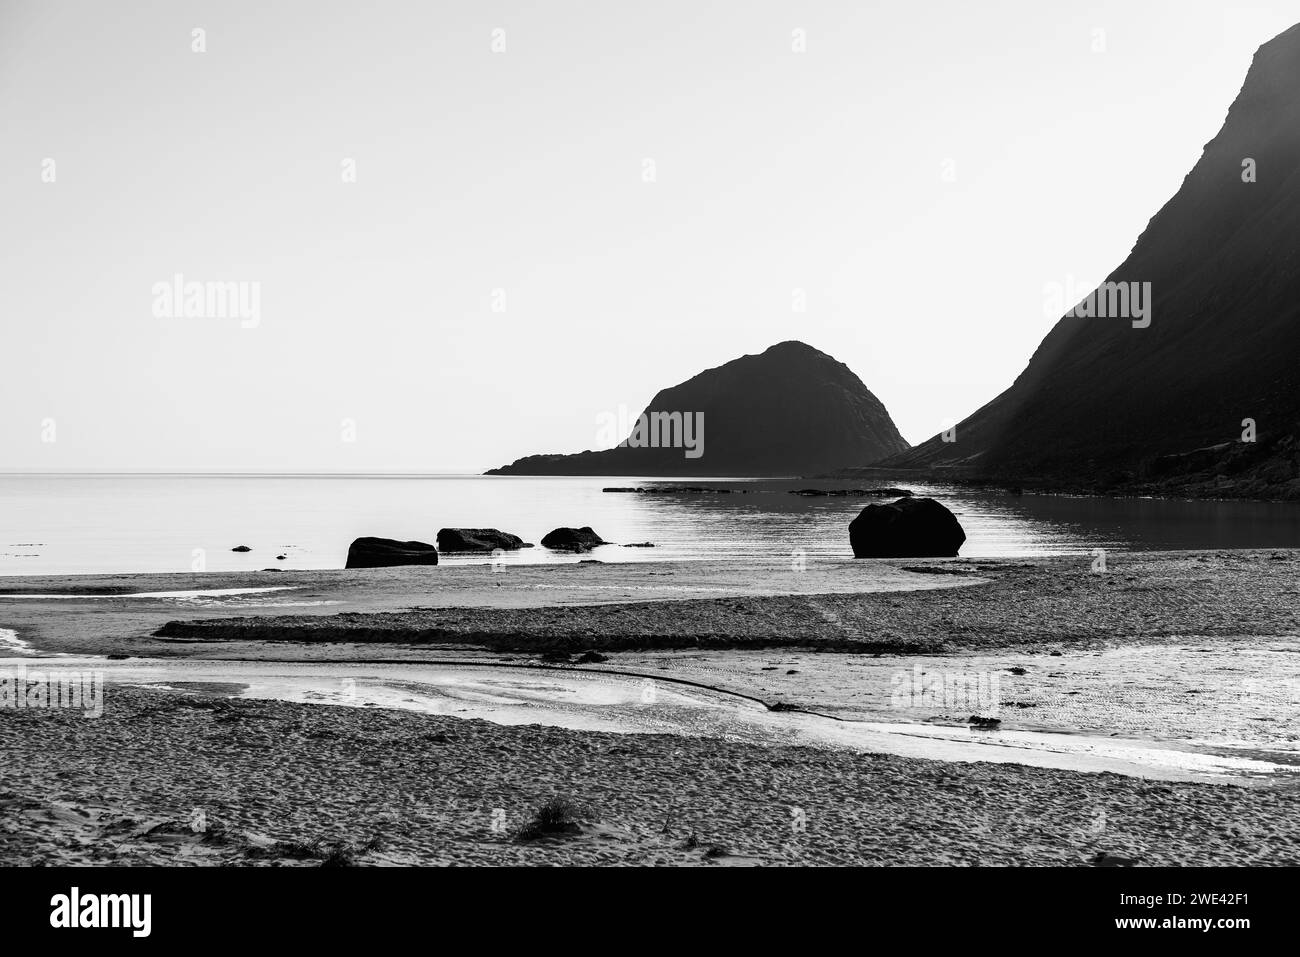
[{"x": 1034, "y": 604}]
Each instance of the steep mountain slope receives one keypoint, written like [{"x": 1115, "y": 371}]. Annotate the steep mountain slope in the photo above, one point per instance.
[
  {"x": 1101, "y": 396},
  {"x": 791, "y": 410}
]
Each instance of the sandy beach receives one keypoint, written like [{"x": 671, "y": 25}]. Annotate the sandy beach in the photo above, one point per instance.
[
  {"x": 169, "y": 778},
  {"x": 223, "y": 739}
]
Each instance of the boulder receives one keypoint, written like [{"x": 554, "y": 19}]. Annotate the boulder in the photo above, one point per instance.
[
  {"x": 384, "y": 552},
  {"x": 478, "y": 540},
  {"x": 573, "y": 539},
  {"x": 908, "y": 528},
  {"x": 241, "y": 548}
]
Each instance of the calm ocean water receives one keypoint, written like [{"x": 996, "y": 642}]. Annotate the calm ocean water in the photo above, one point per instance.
[{"x": 65, "y": 524}]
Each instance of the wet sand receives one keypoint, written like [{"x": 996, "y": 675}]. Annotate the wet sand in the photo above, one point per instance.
[
  {"x": 102, "y": 614},
  {"x": 1037, "y": 605},
  {"x": 854, "y": 706},
  {"x": 888, "y": 606}
]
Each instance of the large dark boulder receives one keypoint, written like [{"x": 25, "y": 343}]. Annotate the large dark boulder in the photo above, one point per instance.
[
  {"x": 384, "y": 552},
  {"x": 573, "y": 539},
  {"x": 478, "y": 540},
  {"x": 908, "y": 528}
]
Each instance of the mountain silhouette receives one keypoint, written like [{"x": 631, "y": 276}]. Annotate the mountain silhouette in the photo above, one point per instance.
[
  {"x": 1107, "y": 396},
  {"x": 791, "y": 410}
]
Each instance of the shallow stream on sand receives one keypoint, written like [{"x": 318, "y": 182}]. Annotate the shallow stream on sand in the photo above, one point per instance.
[{"x": 657, "y": 703}]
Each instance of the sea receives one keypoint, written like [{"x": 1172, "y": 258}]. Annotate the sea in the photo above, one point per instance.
[{"x": 68, "y": 524}]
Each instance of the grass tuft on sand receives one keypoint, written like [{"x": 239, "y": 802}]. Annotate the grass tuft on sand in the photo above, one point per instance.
[{"x": 556, "y": 816}]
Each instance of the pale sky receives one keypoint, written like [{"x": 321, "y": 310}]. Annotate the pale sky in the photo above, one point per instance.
[{"x": 922, "y": 172}]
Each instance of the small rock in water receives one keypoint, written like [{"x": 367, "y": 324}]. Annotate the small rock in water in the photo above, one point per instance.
[
  {"x": 573, "y": 539},
  {"x": 478, "y": 540},
  {"x": 241, "y": 548}
]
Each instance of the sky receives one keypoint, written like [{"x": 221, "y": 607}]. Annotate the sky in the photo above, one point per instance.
[{"x": 463, "y": 232}]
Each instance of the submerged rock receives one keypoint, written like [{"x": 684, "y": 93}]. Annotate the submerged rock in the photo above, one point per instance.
[
  {"x": 573, "y": 539},
  {"x": 385, "y": 553},
  {"x": 478, "y": 540},
  {"x": 908, "y": 528}
]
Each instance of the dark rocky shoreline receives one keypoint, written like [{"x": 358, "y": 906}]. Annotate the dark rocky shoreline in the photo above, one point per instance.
[{"x": 1270, "y": 481}]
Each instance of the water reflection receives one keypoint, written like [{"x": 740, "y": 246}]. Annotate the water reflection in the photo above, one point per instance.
[{"x": 89, "y": 524}]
